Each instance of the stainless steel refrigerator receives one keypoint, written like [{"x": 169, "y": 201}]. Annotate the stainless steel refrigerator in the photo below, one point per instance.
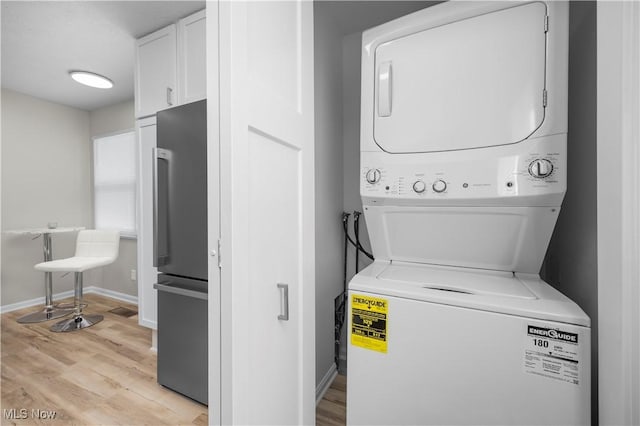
[{"x": 180, "y": 248}]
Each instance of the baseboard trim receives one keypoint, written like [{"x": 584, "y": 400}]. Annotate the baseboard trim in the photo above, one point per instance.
[
  {"x": 326, "y": 382},
  {"x": 112, "y": 294},
  {"x": 69, "y": 293},
  {"x": 33, "y": 302}
]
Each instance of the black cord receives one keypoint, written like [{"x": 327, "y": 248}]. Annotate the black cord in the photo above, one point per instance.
[
  {"x": 366, "y": 253},
  {"x": 345, "y": 221},
  {"x": 340, "y": 309},
  {"x": 356, "y": 218},
  {"x": 356, "y": 229}
]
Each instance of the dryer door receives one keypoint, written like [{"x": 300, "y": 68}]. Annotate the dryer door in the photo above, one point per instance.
[{"x": 472, "y": 83}]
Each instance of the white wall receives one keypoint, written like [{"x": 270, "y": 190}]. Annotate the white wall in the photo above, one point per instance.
[
  {"x": 337, "y": 73},
  {"x": 351, "y": 57},
  {"x": 46, "y": 177},
  {"x": 328, "y": 163},
  {"x": 117, "y": 276},
  {"x": 571, "y": 261}
]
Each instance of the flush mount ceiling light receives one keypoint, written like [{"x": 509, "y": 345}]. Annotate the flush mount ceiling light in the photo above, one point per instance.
[{"x": 91, "y": 79}]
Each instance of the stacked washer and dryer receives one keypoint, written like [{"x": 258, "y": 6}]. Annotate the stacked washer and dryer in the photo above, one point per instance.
[{"x": 463, "y": 172}]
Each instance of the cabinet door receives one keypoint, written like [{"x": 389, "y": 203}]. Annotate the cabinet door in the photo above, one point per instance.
[
  {"x": 192, "y": 58},
  {"x": 147, "y": 273},
  {"x": 155, "y": 72},
  {"x": 267, "y": 213}
]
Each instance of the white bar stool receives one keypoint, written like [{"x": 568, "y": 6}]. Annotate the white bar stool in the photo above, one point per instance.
[
  {"x": 50, "y": 311},
  {"x": 93, "y": 249}
]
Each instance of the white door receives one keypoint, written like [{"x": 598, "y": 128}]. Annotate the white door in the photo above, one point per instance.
[{"x": 267, "y": 213}]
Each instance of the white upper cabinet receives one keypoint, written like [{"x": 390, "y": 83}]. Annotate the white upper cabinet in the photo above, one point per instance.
[
  {"x": 155, "y": 75},
  {"x": 192, "y": 58},
  {"x": 171, "y": 66}
]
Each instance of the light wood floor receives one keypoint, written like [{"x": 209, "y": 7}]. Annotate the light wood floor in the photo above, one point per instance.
[
  {"x": 105, "y": 374},
  {"x": 331, "y": 411}
]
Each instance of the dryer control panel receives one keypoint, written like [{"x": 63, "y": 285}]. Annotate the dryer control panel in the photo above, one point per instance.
[{"x": 538, "y": 171}]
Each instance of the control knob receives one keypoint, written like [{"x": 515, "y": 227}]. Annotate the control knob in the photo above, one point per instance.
[
  {"x": 373, "y": 176},
  {"x": 419, "y": 186},
  {"x": 540, "y": 168},
  {"x": 439, "y": 186}
]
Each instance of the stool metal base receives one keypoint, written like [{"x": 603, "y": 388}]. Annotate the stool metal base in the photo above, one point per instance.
[
  {"x": 76, "y": 323},
  {"x": 45, "y": 315}
]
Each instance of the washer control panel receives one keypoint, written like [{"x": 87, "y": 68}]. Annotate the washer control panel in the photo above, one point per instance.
[{"x": 518, "y": 175}]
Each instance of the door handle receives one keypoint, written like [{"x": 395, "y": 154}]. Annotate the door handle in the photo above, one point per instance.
[
  {"x": 158, "y": 154},
  {"x": 284, "y": 302},
  {"x": 385, "y": 89}
]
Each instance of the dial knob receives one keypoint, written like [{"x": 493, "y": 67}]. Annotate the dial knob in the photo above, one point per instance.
[
  {"x": 373, "y": 176},
  {"x": 540, "y": 168},
  {"x": 419, "y": 186},
  {"x": 439, "y": 185}
]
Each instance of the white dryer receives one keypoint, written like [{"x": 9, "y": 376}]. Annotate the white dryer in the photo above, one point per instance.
[{"x": 463, "y": 156}]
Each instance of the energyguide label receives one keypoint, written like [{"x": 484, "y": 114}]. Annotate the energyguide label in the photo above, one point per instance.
[
  {"x": 369, "y": 316},
  {"x": 552, "y": 353}
]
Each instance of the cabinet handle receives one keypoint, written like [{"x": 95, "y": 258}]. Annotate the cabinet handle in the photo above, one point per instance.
[
  {"x": 284, "y": 302},
  {"x": 169, "y": 96}
]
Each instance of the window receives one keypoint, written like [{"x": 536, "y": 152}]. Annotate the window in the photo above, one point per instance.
[{"x": 114, "y": 183}]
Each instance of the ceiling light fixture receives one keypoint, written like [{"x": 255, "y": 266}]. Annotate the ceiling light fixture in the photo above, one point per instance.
[{"x": 91, "y": 79}]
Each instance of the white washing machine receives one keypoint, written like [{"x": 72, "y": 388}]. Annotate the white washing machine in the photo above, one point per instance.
[{"x": 463, "y": 172}]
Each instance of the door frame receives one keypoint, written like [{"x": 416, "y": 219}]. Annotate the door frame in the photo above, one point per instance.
[
  {"x": 213, "y": 210},
  {"x": 618, "y": 153}
]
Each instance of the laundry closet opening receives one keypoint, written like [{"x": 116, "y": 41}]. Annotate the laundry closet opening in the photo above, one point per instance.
[
  {"x": 338, "y": 27},
  {"x": 338, "y": 54}
]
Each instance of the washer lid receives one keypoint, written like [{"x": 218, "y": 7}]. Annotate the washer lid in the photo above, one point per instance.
[
  {"x": 472, "y": 83},
  {"x": 524, "y": 295},
  {"x": 460, "y": 281}
]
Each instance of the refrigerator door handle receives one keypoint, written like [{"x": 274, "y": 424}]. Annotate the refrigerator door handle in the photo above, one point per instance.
[
  {"x": 180, "y": 291},
  {"x": 284, "y": 302},
  {"x": 158, "y": 154}
]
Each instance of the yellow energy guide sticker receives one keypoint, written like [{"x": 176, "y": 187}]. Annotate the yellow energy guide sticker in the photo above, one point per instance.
[{"x": 369, "y": 322}]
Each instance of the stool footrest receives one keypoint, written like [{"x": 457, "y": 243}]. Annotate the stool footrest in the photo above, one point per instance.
[{"x": 70, "y": 305}]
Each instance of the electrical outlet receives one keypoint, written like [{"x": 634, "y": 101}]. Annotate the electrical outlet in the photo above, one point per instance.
[{"x": 133, "y": 275}]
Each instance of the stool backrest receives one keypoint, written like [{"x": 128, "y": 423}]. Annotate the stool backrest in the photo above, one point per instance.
[{"x": 94, "y": 243}]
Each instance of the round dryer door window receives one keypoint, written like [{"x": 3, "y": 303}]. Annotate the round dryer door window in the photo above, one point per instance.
[{"x": 472, "y": 83}]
